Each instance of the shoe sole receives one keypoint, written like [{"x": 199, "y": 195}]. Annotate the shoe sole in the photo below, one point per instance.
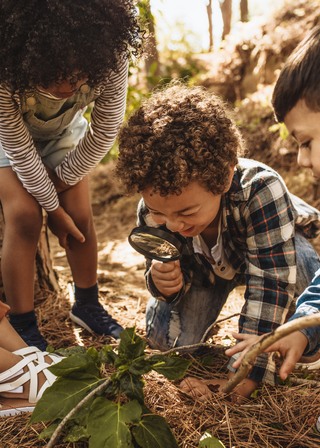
[
  {"x": 315, "y": 365},
  {"x": 17, "y": 411},
  {"x": 80, "y": 322},
  {"x": 14, "y": 406}
]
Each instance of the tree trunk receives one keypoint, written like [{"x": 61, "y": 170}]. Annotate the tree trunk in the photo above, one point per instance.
[
  {"x": 152, "y": 62},
  {"x": 244, "y": 11},
  {"x": 226, "y": 11},
  {"x": 209, "y": 13},
  {"x": 46, "y": 278}
]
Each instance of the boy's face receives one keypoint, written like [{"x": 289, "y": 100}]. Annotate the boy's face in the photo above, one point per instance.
[
  {"x": 304, "y": 124},
  {"x": 189, "y": 213}
]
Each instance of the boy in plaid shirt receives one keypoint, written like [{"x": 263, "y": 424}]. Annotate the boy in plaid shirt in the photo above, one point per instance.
[{"x": 180, "y": 151}]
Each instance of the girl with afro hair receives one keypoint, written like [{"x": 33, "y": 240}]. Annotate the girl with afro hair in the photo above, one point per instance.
[{"x": 57, "y": 57}]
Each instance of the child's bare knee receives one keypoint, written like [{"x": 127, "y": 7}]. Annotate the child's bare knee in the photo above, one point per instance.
[
  {"x": 85, "y": 224},
  {"x": 25, "y": 222}
]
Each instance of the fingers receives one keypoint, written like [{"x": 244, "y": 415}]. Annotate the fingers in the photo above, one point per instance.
[
  {"x": 167, "y": 277},
  {"x": 247, "y": 341},
  {"x": 287, "y": 365},
  {"x": 77, "y": 235},
  {"x": 196, "y": 388}
]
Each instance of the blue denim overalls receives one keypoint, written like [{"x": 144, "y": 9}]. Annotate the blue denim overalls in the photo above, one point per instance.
[{"x": 56, "y": 125}]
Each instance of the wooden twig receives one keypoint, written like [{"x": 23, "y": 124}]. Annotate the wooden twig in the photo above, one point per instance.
[
  {"x": 73, "y": 411},
  {"x": 265, "y": 342},
  {"x": 208, "y": 330}
]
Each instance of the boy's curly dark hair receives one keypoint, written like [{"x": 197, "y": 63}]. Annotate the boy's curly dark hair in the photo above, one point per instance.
[
  {"x": 45, "y": 41},
  {"x": 179, "y": 135}
]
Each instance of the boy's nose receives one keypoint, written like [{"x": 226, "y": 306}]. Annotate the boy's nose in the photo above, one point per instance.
[
  {"x": 174, "y": 226},
  {"x": 304, "y": 158}
]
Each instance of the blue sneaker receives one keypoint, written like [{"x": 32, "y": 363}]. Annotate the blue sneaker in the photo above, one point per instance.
[
  {"x": 31, "y": 335},
  {"x": 95, "y": 319}
]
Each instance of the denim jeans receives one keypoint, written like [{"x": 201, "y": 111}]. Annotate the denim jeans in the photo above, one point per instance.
[{"x": 184, "y": 323}]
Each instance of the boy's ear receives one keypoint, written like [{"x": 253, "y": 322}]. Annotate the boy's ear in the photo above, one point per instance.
[{"x": 231, "y": 173}]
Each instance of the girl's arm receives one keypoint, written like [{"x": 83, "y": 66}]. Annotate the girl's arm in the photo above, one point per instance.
[
  {"x": 20, "y": 150},
  {"x": 106, "y": 118}
]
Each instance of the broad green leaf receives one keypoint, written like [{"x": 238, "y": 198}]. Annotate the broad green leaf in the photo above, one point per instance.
[
  {"x": 94, "y": 354},
  {"x": 76, "y": 366},
  {"x": 172, "y": 367},
  {"x": 154, "y": 432},
  {"x": 58, "y": 400},
  {"x": 140, "y": 366},
  {"x": 46, "y": 433},
  {"x": 208, "y": 441},
  {"x": 132, "y": 386},
  {"x": 108, "y": 423},
  {"x": 131, "y": 345},
  {"x": 107, "y": 355},
  {"x": 75, "y": 433},
  {"x": 69, "y": 351}
]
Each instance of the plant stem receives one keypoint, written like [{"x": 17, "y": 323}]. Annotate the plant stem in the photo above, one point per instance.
[{"x": 63, "y": 422}]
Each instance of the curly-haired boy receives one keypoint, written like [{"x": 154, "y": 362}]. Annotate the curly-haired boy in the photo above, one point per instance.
[
  {"x": 57, "y": 57},
  {"x": 180, "y": 151}
]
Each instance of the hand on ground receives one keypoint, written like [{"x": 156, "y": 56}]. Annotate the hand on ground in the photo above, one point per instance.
[{"x": 203, "y": 389}]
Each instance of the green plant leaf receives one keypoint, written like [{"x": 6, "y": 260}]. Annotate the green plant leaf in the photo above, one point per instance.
[
  {"x": 172, "y": 367},
  {"x": 208, "y": 441},
  {"x": 78, "y": 366},
  {"x": 107, "y": 355},
  {"x": 140, "y": 366},
  {"x": 154, "y": 432},
  {"x": 60, "y": 398},
  {"x": 107, "y": 423},
  {"x": 46, "y": 433},
  {"x": 75, "y": 433},
  {"x": 131, "y": 345},
  {"x": 132, "y": 386},
  {"x": 69, "y": 350}
]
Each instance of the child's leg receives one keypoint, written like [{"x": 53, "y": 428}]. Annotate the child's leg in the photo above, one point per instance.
[
  {"x": 7, "y": 359},
  {"x": 82, "y": 258},
  {"x": 23, "y": 221},
  {"x": 9, "y": 338},
  {"x": 185, "y": 323}
]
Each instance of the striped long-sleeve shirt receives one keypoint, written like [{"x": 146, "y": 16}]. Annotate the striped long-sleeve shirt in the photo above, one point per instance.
[{"x": 17, "y": 140}]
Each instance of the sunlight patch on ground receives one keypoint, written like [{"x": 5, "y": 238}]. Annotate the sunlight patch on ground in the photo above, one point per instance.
[
  {"x": 76, "y": 330},
  {"x": 121, "y": 253}
]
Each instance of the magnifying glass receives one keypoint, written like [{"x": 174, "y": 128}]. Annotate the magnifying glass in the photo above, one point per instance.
[{"x": 155, "y": 243}]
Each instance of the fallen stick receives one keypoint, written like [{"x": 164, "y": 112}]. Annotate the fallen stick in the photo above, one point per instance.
[{"x": 265, "y": 342}]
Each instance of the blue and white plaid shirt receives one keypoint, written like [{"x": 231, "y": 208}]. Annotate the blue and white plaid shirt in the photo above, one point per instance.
[{"x": 259, "y": 220}]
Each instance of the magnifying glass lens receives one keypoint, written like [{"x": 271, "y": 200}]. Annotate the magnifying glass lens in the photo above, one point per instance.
[{"x": 155, "y": 243}]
